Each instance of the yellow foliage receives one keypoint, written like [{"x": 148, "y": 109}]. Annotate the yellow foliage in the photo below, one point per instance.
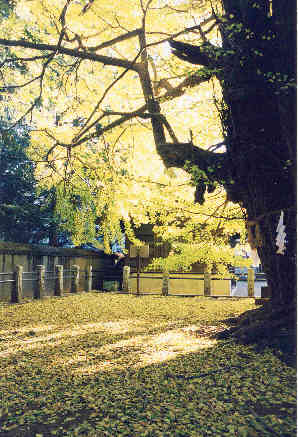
[{"x": 117, "y": 172}]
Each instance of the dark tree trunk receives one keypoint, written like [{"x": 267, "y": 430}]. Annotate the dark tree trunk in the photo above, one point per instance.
[
  {"x": 260, "y": 149},
  {"x": 256, "y": 67}
]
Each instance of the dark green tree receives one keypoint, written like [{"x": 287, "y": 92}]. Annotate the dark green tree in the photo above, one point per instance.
[{"x": 26, "y": 215}]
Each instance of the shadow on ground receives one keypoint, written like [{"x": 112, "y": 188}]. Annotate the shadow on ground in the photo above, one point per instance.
[{"x": 107, "y": 380}]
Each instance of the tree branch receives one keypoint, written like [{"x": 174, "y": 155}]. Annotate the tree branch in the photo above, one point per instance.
[
  {"x": 12, "y": 87},
  {"x": 206, "y": 54},
  {"x": 26, "y": 59},
  {"x": 188, "y": 82},
  {"x": 216, "y": 146},
  {"x": 177, "y": 154},
  {"x": 172, "y": 93},
  {"x": 152, "y": 103},
  {"x": 169, "y": 128},
  {"x": 107, "y": 60},
  {"x": 113, "y": 41},
  {"x": 229, "y": 218}
]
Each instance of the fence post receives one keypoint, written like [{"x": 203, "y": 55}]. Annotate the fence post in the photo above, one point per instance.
[
  {"x": 17, "y": 289},
  {"x": 89, "y": 278},
  {"x": 165, "y": 283},
  {"x": 58, "y": 280},
  {"x": 75, "y": 279},
  {"x": 207, "y": 283},
  {"x": 40, "y": 285},
  {"x": 126, "y": 275},
  {"x": 250, "y": 282}
]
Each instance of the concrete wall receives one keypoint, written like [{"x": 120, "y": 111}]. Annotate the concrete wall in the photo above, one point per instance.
[
  {"x": 29, "y": 256},
  {"x": 180, "y": 283}
]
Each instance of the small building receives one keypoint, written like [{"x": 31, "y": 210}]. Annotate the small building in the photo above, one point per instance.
[{"x": 157, "y": 249}]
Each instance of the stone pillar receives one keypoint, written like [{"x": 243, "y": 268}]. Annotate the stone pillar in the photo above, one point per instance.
[
  {"x": 75, "y": 279},
  {"x": 17, "y": 289},
  {"x": 165, "y": 283},
  {"x": 126, "y": 275},
  {"x": 250, "y": 282},
  {"x": 207, "y": 283},
  {"x": 40, "y": 285},
  {"x": 58, "y": 280},
  {"x": 89, "y": 278}
]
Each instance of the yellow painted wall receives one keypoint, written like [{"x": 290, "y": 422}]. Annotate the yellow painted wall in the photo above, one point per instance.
[{"x": 188, "y": 283}]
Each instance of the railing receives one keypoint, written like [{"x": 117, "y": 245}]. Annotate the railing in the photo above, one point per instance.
[
  {"x": 79, "y": 280},
  {"x": 203, "y": 284},
  {"x": 84, "y": 279}
]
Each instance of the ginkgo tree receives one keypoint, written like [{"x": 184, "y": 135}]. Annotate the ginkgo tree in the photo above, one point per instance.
[
  {"x": 104, "y": 92},
  {"x": 95, "y": 91}
]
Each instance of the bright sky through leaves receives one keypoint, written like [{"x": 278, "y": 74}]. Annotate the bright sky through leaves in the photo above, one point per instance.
[{"x": 88, "y": 104}]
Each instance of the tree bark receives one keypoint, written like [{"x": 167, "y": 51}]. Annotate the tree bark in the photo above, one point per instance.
[
  {"x": 263, "y": 182},
  {"x": 258, "y": 117},
  {"x": 260, "y": 148}
]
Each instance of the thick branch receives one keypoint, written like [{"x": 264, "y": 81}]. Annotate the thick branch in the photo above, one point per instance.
[
  {"x": 206, "y": 54},
  {"x": 177, "y": 154},
  {"x": 107, "y": 60},
  {"x": 146, "y": 84},
  {"x": 188, "y": 82},
  {"x": 169, "y": 128}
]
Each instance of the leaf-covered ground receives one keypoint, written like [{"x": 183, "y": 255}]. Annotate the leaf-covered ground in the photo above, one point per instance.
[{"x": 109, "y": 365}]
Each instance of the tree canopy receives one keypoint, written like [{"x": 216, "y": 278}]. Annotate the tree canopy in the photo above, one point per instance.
[{"x": 103, "y": 94}]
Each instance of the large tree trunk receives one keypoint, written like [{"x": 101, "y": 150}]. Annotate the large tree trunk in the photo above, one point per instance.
[
  {"x": 262, "y": 175},
  {"x": 256, "y": 68},
  {"x": 261, "y": 150}
]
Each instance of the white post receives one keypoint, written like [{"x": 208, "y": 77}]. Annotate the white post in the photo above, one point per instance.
[
  {"x": 58, "y": 280},
  {"x": 126, "y": 274},
  {"x": 75, "y": 279}
]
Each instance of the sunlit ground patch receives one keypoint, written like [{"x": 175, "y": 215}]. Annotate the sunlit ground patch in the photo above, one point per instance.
[
  {"x": 141, "y": 350},
  {"x": 15, "y": 343},
  {"x": 108, "y": 365}
]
